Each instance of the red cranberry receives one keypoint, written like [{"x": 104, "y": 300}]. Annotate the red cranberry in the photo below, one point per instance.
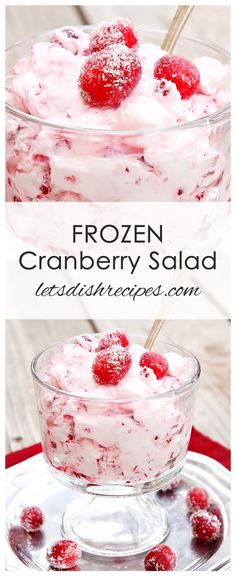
[
  {"x": 197, "y": 498},
  {"x": 111, "y": 365},
  {"x": 181, "y": 71},
  {"x": 156, "y": 362},
  {"x": 160, "y": 558},
  {"x": 109, "y": 76},
  {"x": 113, "y": 338}
]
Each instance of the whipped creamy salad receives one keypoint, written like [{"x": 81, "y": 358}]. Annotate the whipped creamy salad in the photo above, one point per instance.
[
  {"x": 79, "y": 80},
  {"x": 115, "y": 425}
]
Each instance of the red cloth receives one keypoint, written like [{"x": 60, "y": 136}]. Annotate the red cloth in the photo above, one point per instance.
[
  {"x": 22, "y": 455},
  {"x": 199, "y": 443}
]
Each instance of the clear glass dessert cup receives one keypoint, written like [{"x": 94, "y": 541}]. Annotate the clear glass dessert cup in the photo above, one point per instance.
[
  {"x": 185, "y": 162},
  {"x": 118, "y": 454}
]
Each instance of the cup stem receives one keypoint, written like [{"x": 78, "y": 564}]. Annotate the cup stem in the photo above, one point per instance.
[{"x": 116, "y": 526}]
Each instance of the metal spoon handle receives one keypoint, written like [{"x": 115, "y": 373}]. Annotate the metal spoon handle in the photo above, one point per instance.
[{"x": 180, "y": 18}]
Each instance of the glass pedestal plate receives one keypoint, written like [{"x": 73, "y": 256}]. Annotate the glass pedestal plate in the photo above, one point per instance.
[{"x": 31, "y": 482}]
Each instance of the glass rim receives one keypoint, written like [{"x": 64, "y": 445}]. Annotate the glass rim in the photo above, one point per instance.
[
  {"x": 105, "y": 400},
  {"x": 214, "y": 117}
]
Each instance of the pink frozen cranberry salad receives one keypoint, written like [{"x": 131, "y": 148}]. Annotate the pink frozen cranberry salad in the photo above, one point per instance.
[
  {"x": 115, "y": 425},
  {"x": 110, "y": 80}
]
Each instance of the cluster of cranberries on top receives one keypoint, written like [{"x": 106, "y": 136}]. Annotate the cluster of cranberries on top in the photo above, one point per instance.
[
  {"x": 160, "y": 558},
  {"x": 113, "y": 359},
  {"x": 182, "y": 72},
  {"x": 31, "y": 519},
  {"x": 206, "y": 527},
  {"x": 112, "y": 69},
  {"x": 64, "y": 554},
  {"x": 197, "y": 499}
]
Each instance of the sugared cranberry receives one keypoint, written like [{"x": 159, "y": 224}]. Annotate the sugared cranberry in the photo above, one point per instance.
[
  {"x": 31, "y": 518},
  {"x": 206, "y": 527},
  {"x": 112, "y": 338},
  {"x": 179, "y": 70},
  {"x": 160, "y": 558},
  {"x": 111, "y": 365},
  {"x": 109, "y": 76},
  {"x": 215, "y": 510},
  {"x": 117, "y": 32},
  {"x": 156, "y": 362},
  {"x": 197, "y": 498},
  {"x": 64, "y": 554}
]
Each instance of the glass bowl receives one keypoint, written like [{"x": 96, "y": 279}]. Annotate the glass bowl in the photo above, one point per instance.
[
  {"x": 118, "y": 453},
  {"x": 185, "y": 162}
]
